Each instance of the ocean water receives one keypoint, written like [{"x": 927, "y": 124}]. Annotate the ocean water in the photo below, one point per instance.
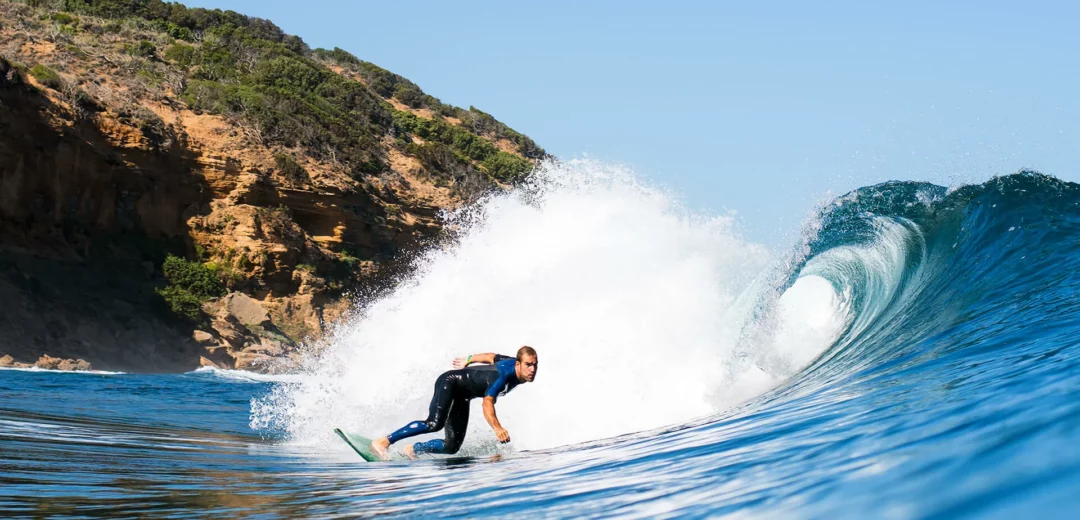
[{"x": 914, "y": 355}]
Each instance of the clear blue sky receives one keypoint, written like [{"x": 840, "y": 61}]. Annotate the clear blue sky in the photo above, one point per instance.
[{"x": 760, "y": 108}]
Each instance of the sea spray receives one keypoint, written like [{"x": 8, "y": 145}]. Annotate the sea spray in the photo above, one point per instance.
[{"x": 634, "y": 305}]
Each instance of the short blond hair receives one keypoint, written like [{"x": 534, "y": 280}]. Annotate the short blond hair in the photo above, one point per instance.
[{"x": 525, "y": 351}]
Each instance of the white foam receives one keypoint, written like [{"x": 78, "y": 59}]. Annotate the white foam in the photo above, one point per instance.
[
  {"x": 634, "y": 306},
  {"x": 806, "y": 319},
  {"x": 246, "y": 376}
]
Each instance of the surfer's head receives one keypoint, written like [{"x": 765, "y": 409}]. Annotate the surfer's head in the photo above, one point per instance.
[{"x": 526, "y": 364}]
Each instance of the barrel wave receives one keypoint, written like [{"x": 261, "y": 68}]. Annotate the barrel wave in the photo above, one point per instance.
[{"x": 916, "y": 355}]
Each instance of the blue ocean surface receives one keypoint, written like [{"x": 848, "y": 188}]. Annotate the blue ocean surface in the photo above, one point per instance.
[{"x": 952, "y": 392}]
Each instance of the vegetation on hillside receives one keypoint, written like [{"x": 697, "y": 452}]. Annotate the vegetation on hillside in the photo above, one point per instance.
[{"x": 284, "y": 94}]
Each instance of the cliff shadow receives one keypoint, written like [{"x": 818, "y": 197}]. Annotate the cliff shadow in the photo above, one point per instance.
[{"x": 91, "y": 202}]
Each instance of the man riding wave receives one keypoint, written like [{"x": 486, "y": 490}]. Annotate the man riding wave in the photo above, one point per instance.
[{"x": 495, "y": 375}]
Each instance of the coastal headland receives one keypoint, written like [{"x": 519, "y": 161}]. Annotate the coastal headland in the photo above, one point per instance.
[{"x": 183, "y": 187}]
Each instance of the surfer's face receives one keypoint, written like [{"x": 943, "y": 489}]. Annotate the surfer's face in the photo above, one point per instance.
[{"x": 526, "y": 368}]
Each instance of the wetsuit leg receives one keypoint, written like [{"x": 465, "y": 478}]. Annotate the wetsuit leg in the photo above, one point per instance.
[
  {"x": 456, "y": 425},
  {"x": 438, "y": 411}
]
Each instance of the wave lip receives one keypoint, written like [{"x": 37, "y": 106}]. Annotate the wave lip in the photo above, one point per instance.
[{"x": 918, "y": 259}]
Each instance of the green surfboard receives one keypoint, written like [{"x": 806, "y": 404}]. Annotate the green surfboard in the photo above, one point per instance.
[{"x": 361, "y": 444}]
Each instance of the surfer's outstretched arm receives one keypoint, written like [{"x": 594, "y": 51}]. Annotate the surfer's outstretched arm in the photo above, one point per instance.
[
  {"x": 489, "y": 415},
  {"x": 462, "y": 362}
]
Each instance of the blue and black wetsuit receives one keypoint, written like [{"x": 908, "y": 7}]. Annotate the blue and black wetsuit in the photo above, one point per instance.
[{"x": 450, "y": 404}]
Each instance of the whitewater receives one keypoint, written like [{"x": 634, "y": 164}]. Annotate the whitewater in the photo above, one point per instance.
[
  {"x": 636, "y": 308},
  {"x": 912, "y": 354}
]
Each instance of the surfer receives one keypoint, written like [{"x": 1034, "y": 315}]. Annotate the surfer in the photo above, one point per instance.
[{"x": 496, "y": 375}]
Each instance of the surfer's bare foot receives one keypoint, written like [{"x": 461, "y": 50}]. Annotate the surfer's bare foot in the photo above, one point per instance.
[
  {"x": 409, "y": 452},
  {"x": 379, "y": 446}
]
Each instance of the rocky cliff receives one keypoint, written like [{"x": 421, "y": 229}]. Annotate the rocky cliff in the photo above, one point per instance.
[{"x": 187, "y": 186}]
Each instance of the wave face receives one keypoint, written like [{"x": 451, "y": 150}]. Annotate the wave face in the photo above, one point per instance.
[{"x": 915, "y": 356}]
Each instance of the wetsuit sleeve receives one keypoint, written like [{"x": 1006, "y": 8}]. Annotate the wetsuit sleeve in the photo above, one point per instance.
[{"x": 500, "y": 357}]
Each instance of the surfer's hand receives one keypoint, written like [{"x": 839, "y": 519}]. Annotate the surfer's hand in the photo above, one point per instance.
[
  {"x": 502, "y": 435},
  {"x": 459, "y": 362}
]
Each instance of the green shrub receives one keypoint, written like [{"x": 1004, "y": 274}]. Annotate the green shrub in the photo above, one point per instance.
[
  {"x": 463, "y": 142},
  {"x": 482, "y": 123},
  {"x": 183, "y": 303},
  {"x": 506, "y": 167},
  {"x": 438, "y": 157},
  {"x": 378, "y": 79},
  {"x": 190, "y": 284},
  {"x": 409, "y": 95},
  {"x": 337, "y": 55},
  {"x": 142, "y": 48},
  {"x": 47, "y": 76},
  {"x": 225, "y": 272},
  {"x": 290, "y": 74},
  {"x": 347, "y": 263},
  {"x": 290, "y": 169},
  {"x": 74, "y": 49},
  {"x": 65, "y": 19},
  {"x": 182, "y": 55},
  {"x": 472, "y": 146},
  {"x": 216, "y": 64},
  {"x": 152, "y": 76},
  {"x": 193, "y": 277},
  {"x": 174, "y": 30},
  {"x": 68, "y": 31},
  {"x": 373, "y": 165}
]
